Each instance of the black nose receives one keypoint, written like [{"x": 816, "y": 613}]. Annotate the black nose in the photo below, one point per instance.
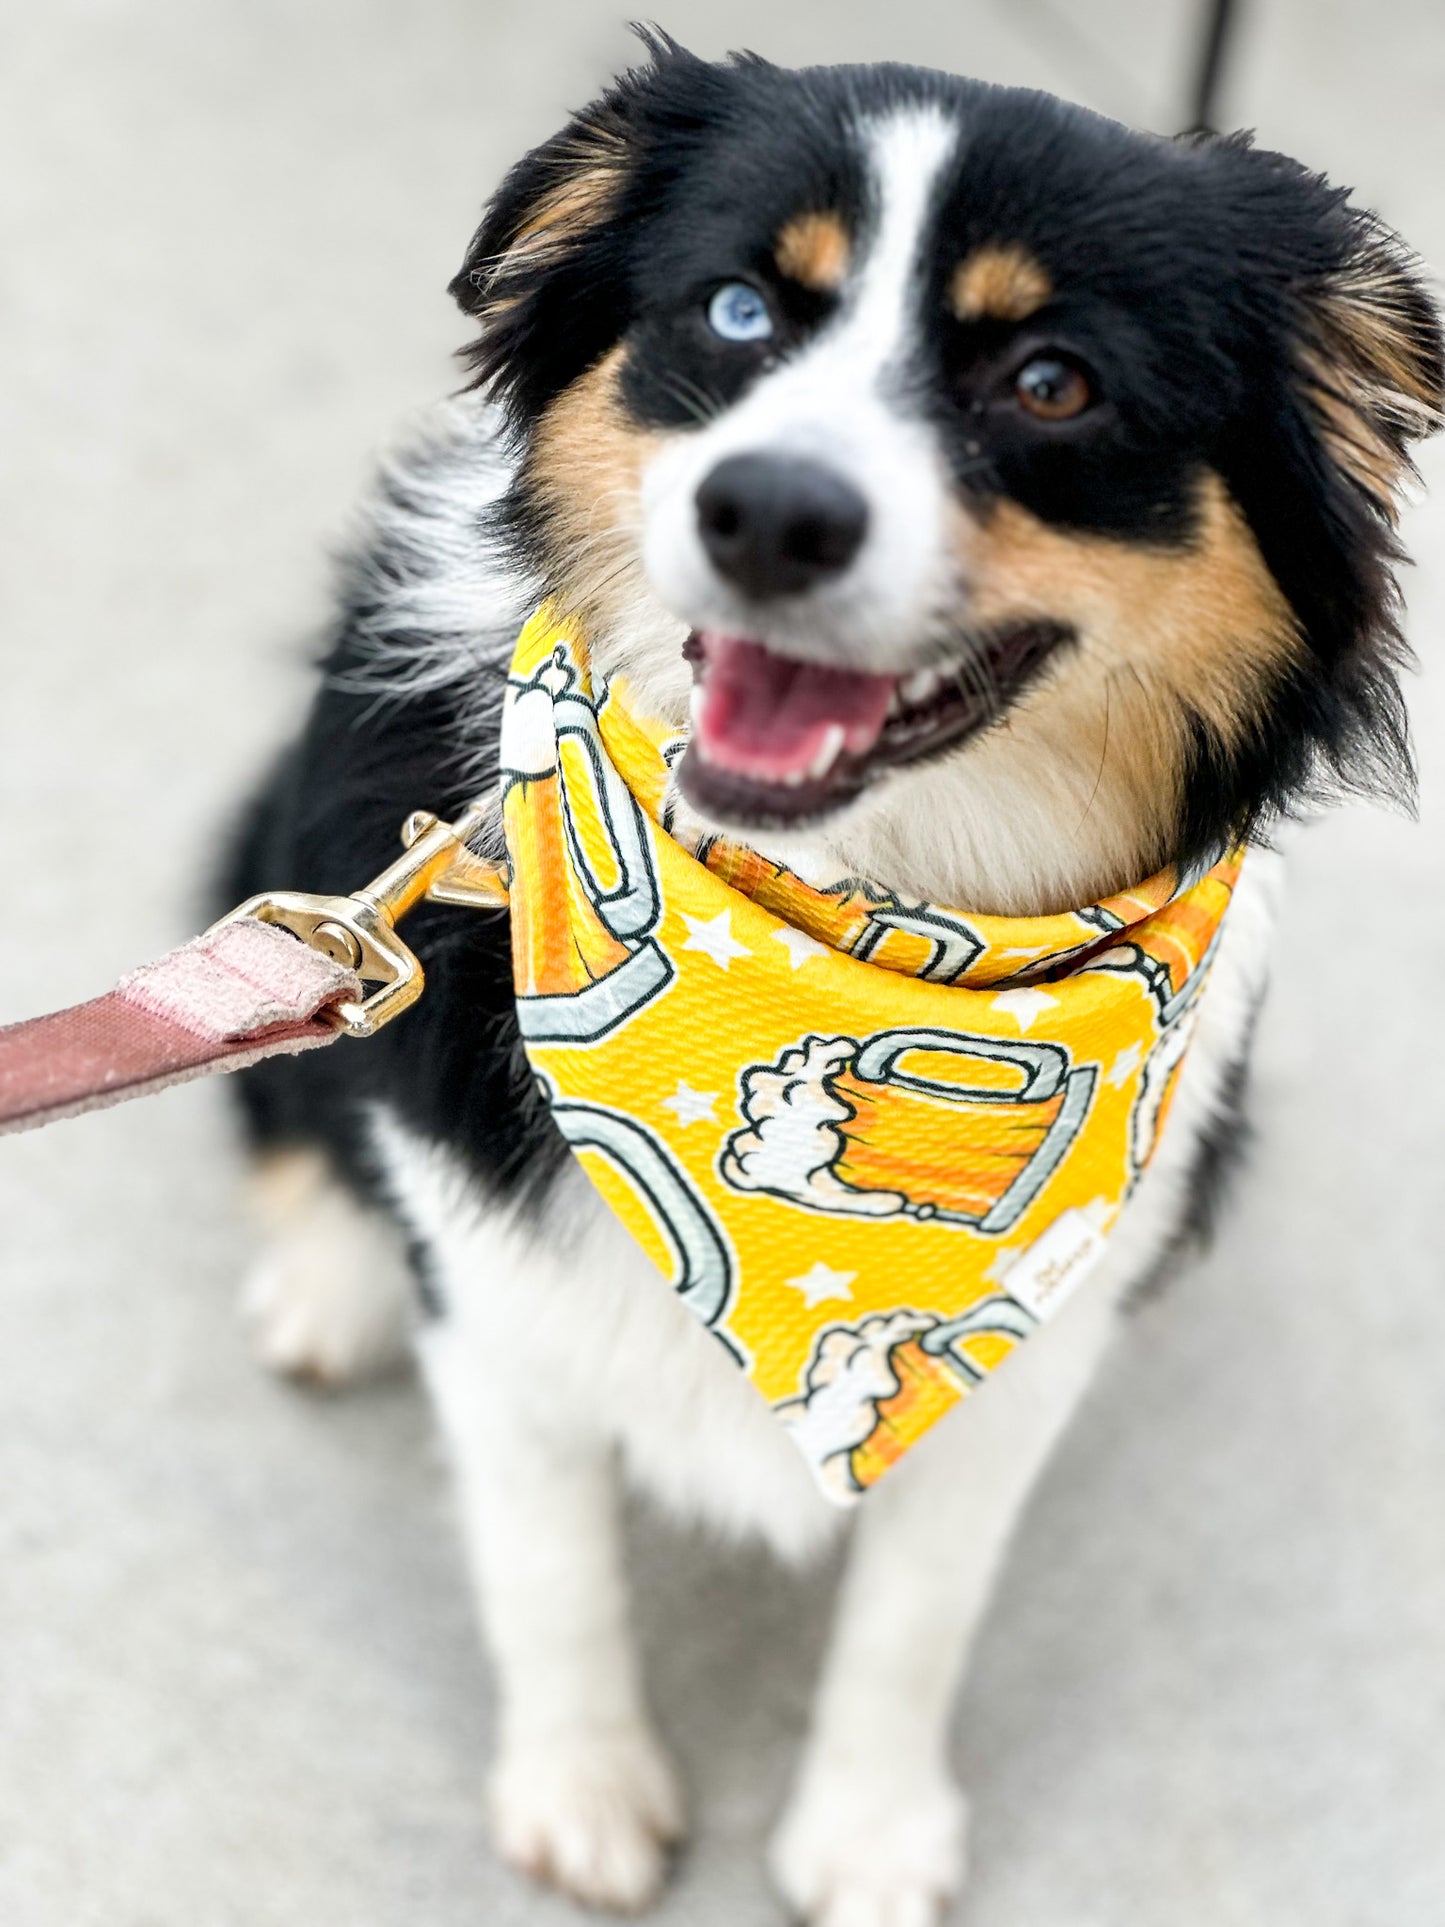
[{"x": 777, "y": 525}]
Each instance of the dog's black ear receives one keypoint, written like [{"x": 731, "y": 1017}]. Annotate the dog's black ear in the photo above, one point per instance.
[
  {"x": 545, "y": 273},
  {"x": 549, "y": 202},
  {"x": 1371, "y": 357}
]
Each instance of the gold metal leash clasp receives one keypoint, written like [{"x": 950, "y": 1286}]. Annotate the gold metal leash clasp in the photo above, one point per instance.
[{"x": 359, "y": 931}]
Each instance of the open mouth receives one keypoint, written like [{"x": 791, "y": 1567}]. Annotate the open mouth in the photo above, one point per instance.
[{"x": 780, "y": 741}]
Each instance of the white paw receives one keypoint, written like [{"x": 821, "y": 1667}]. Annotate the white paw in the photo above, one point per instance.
[
  {"x": 591, "y": 1813},
  {"x": 843, "y": 1860},
  {"x": 329, "y": 1296}
]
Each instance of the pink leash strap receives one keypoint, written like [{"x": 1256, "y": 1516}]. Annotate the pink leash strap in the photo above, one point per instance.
[
  {"x": 283, "y": 973},
  {"x": 243, "y": 991}
]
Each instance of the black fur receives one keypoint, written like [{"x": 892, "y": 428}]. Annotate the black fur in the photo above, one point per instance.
[
  {"x": 328, "y": 820},
  {"x": 1195, "y": 278}
]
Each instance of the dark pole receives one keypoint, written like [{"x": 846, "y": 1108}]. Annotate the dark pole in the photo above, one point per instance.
[{"x": 1219, "y": 21}]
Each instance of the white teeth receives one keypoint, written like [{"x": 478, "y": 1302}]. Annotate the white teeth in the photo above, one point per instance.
[
  {"x": 895, "y": 702},
  {"x": 694, "y": 705},
  {"x": 829, "y": 750},
  {"x": 923, "y": 684}
]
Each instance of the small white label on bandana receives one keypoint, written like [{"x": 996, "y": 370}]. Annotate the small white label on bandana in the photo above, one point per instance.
[{"x": 1055, "y": 1264}]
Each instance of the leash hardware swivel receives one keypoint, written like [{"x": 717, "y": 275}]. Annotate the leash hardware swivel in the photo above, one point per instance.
[{"x": 359, "y": 931}]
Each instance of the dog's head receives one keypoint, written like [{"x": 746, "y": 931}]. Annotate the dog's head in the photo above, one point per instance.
[{"x": 958, "y": 451}]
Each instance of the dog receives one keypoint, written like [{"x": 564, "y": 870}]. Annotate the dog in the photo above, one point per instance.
[{"x": 1009, "y": 500}]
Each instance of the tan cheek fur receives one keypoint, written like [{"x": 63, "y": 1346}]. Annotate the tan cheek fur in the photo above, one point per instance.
[
  {"x": 1162, "y": 633},
  {"x": 585, "y": 469}
]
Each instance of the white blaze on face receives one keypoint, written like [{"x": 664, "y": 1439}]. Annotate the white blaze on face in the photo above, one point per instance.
[{"x": 835, "y": 402}]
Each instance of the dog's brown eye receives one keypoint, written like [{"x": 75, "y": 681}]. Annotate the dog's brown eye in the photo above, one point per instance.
[{"x": 1051, "y": 389}]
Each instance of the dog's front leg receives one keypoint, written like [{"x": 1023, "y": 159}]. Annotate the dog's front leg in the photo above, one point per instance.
[
  {"x": 581, "y": 1792},
  {"x": 875, "y": 1832}
]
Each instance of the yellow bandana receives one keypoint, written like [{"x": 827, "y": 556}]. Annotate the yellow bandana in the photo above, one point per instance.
[{"x": 871, "y": 1142}]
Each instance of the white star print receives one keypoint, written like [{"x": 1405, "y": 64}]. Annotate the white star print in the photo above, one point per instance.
[
  {"x": 799, "y": 946},
  {"x": 818, "y": 1284},
  {"x": 1023, "y": 1005},
  {"x": 691, "y": 1106},
  {"x": 1124, "y": 1066},
  {"x": 714, "y": 937}
]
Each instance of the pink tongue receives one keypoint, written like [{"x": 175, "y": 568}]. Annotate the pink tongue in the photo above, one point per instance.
[{"x": 767, "y": 717}]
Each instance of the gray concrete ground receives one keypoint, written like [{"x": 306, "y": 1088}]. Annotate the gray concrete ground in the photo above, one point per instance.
[{"x": 238, "y": 1682}]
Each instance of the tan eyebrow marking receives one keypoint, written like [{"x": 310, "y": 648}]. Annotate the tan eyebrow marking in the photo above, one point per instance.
[
  {"x": 1003, "y": 282},
  {"x": 814, "y": 250}
]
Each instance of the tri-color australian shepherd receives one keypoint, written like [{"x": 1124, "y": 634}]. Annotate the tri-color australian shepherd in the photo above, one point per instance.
[{"x": 1083, "y": 446}]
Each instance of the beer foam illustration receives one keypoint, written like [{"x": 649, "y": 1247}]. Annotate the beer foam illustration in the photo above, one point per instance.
[
  {"x": 850, "y": 1375},
  {"x": 796, "y": 1136}
]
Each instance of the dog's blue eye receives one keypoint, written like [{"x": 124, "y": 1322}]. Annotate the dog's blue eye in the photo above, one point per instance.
[{"x": 739, "y": 313}]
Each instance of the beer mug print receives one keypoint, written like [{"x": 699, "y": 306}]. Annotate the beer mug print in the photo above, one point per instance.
[
  {"x": 583, "y": 968},
  {"x": 929, "y": 1124}
]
